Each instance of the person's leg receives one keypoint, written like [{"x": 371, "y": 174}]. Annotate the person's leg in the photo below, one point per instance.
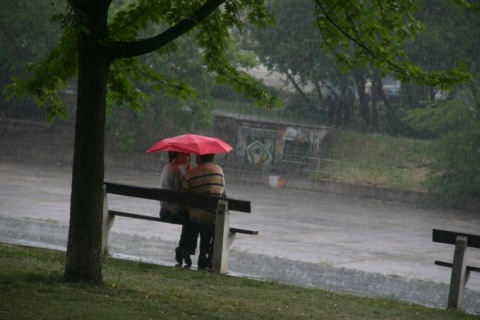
[
  {"x": 184, "y": 242},
  {"x": 179, "y": 255},
  {"x": 185, "y": 221},
  {"x": 192, "y": 238},
  {"x": 211, "y": 236},
  {"x": 204, "y": 246},
  {"x": 182, "y": 245},
  {"x": 191, "y": 232},
  {"x": 207, "y": 234}
]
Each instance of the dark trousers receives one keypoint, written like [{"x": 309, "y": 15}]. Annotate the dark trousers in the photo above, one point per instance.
[
  {"x": 189, "y": 235},
  {"x": 207, "y": 239}
]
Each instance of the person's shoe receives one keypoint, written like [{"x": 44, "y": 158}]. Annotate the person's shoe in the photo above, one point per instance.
[
  {"x": 186, "y": 257},
  {"x": 179, "y": 256}
]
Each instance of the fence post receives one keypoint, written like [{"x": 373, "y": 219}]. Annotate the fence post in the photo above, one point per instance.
[
  {"x": 222, "y": 241},
  {"x": 107, "y": 222},
  {"x": 457, "y": 280}
]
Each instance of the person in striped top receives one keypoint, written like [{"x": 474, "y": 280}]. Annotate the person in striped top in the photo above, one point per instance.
[{"x": 206, "y": 178}]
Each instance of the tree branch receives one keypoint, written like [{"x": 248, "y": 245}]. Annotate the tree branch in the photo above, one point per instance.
[
  {"x": 130, "y": 49},
  {"x": 356, "y": 39}
]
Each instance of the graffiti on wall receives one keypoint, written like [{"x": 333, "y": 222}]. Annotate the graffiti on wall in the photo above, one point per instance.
[
  {"x": 260, "y": 153},
  {"x": 290, "y": 143}
]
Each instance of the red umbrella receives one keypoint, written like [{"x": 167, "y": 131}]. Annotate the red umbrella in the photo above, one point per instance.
[{"x": 192, "y": 143}]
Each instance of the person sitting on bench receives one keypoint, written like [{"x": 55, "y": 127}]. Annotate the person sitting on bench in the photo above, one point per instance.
[
  {"x": 207, "y": 178},
  {"x": 171, "y": 179}
]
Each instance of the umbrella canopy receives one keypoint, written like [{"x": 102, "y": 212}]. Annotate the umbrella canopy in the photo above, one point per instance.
[{"x": 192, "y": 143}]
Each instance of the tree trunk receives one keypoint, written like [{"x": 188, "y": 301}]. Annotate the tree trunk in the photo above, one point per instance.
[
  {"x": 349, "y": 101},
  {"x": 374, "y": 110},
  {"x": 432, "y": 92},
  {"x": 319, "y": 91},
  {"x": 83, "y": 261},
  {"x": 364, "y": 111},
  {"x": 475, "y": 94},
  {"x": 297, "y": 88}
]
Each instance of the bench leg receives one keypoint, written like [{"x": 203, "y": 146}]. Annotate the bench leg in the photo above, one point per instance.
[
  {"x": 107, "y": 223},
  {"x": 222, "y": 238},
  {"x": 458, "y": 278}
]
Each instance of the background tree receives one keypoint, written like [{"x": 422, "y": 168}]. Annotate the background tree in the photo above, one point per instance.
[
  {"x": 26, "y": 35},
  {"x": 451, "y": 40},
  {"x": 374, "y": 33},
  {"x": 454, "y": 172},
  {"x": 367, "y": 39},
  {"x": 444, "y": 45},
  {"x": 308, "y": 69}
]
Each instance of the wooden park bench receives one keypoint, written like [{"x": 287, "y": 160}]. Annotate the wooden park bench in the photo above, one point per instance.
[
  {"x": 460, "y": 270},
  {"x": 224, "y": 234}
]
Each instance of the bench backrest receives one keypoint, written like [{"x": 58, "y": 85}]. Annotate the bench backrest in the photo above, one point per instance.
[
  {"x": 450, "y": 237},
  {"x": 184, "y": 198}
]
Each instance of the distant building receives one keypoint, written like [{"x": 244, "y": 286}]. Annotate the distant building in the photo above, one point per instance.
[{"x": 269, "y": 144}]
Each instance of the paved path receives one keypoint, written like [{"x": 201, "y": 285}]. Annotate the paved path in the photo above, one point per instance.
[{"x": 309, "y": 239}]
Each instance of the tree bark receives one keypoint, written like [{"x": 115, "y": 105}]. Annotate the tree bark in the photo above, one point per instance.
[
  {"x": 83, "y": 260},
  {"x": 86, "y": 206}
]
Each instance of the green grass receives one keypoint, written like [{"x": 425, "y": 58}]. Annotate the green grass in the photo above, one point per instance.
[
  {"x": 31, "y": 287},
  {"x": 376, "y": 160}
]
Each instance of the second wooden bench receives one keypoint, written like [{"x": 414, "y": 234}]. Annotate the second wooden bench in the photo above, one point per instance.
[{"x": 460, "y": 270}]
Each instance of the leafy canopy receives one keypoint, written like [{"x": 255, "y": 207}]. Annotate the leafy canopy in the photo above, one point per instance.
[
  {"x": 127, "y": 38},
  {"x": 374, "y": 33}
]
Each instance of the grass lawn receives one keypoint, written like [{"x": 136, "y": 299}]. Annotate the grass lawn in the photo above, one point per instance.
[
  {"x": 377, "y": 160},
  {"x": 31, "y": 287}
]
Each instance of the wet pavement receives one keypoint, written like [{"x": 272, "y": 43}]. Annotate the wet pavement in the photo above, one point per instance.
[{"x": 308, "y": 239}]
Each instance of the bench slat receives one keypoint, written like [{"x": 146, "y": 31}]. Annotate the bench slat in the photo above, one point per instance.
[
  {"x": 244, "y": 231},
  {"x": 449, "y": 265},
  {"x": 450, "y": 237},
  {"x": 133, "y": 215},
  {"x": 150, "y": 218},
  {"x": 184, "y": 198}
]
